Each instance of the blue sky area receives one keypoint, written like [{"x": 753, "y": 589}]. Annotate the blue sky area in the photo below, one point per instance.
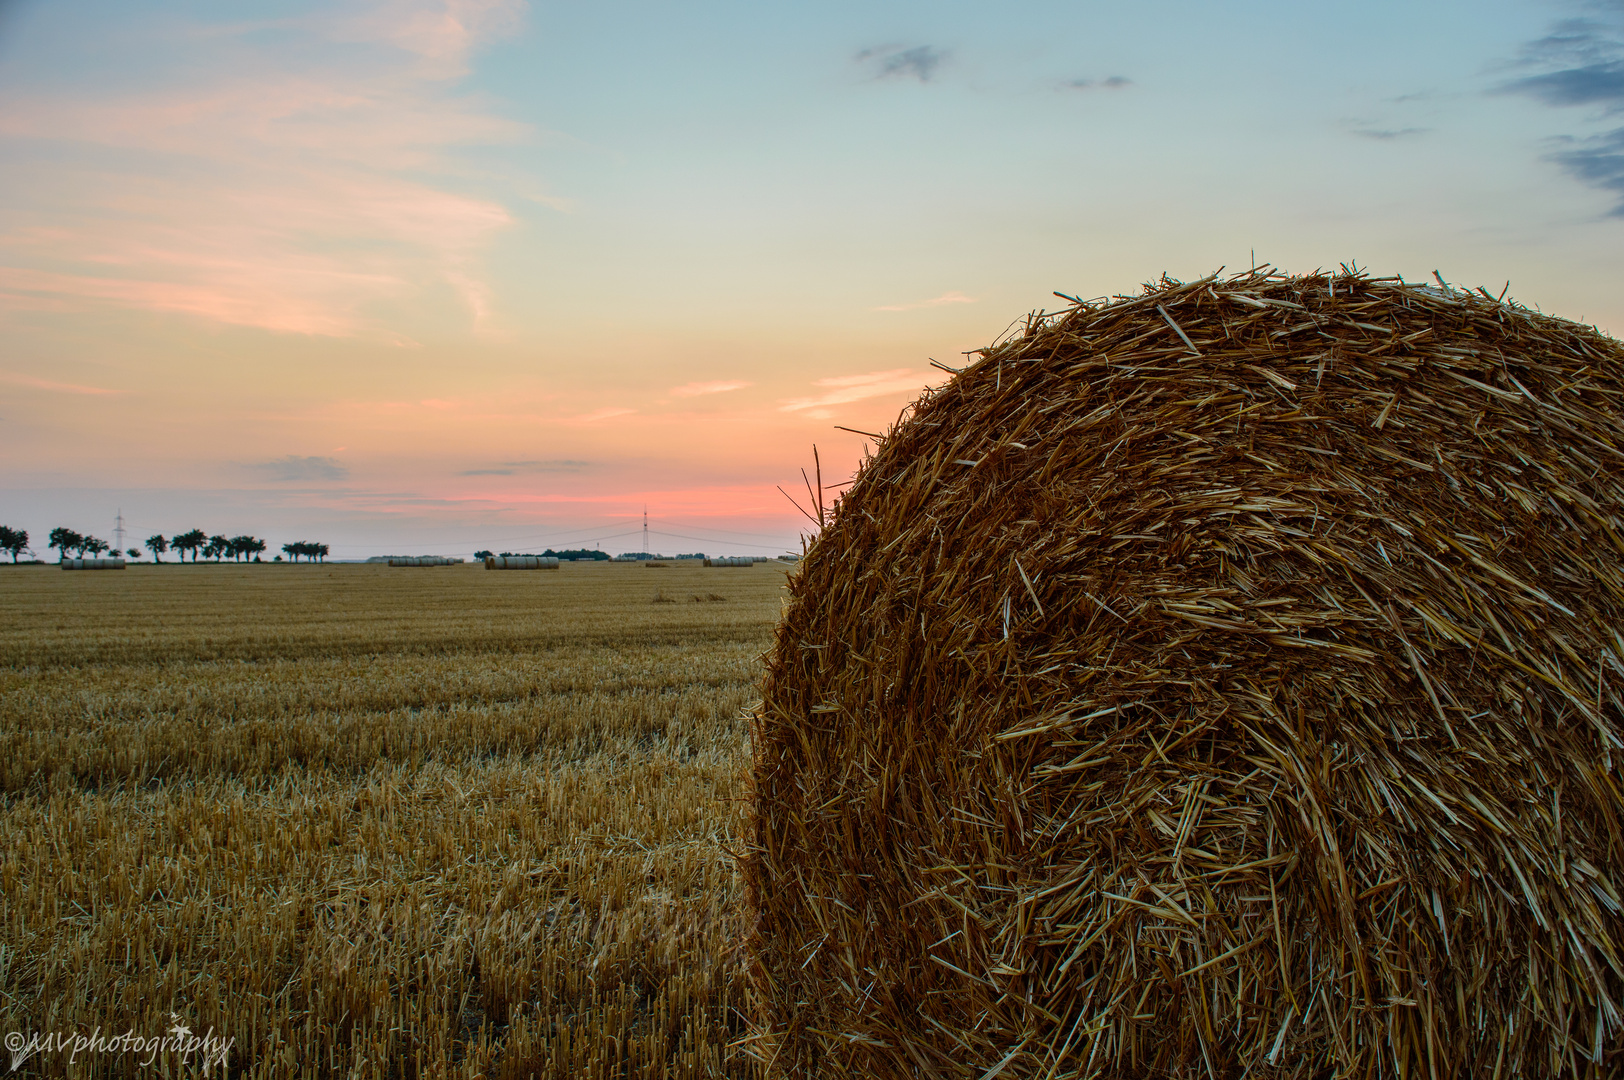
[{"x": 412, "y": 274}]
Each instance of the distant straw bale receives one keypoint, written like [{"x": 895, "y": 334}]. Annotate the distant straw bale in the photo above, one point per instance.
[{"x": 1223, "y": 681}]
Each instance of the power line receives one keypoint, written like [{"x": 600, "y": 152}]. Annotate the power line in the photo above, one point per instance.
[
  {"x": 724, "y": 532},
  {"x": 531, "y": 540},
  {"x": 703, "y": 539},
  {"x": 719, "y": 536},
  {"x": 572, "y": 537},
  {"x": 591, "y": 533}
]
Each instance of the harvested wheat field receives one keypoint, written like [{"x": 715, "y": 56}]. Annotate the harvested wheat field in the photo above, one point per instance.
[
  {"x": 1217, "y": 682},
  {"x": 373, "y": 823}
]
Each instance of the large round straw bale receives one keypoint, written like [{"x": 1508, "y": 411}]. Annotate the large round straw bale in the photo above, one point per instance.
[{"x": 1224, "y": 681}]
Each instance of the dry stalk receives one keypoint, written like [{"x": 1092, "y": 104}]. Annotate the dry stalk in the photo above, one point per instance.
[{"x": 1219, "y": 681}]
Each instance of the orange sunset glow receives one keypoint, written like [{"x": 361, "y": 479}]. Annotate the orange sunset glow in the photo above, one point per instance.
[{"x": 427, "y": 276}]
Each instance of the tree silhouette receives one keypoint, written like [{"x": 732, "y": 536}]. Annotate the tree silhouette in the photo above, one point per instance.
[
  {"x": 93, "y": 545},
  {"x": 64, "y": 540},
  {"x": 216, "y": 547},
  {"x": 189, "y": 541},
  {"x": 157, "y": 545},
  {"x": 135, "y": 553},
  {"x": 309, "y": 549},
  {"x": 13, "y": 540}
]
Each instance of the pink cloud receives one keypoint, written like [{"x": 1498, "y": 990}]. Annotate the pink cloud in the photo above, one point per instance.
[
  {"x": 843, "y": 389},
  {"x": 694, "y": 389},
  {"x": 945, "y": 298},
  {"x": 15, "y": 301},
  {"x": 250, "y": 303},
  {"x": 291, "y": 203},
  {"x": 58, "y": 387},
  {"x": 441, "y": 34},
  {"x": 513, "y": 408},
  {"x": 728, "y": 502},
  {"x": 600, "y": 414}
]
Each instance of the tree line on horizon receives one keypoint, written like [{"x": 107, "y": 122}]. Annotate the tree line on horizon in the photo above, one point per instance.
[
  {"x": 568, "y": 553},
  {"x": 13, "y": 541},
  {"x": 237, "y": 548}
]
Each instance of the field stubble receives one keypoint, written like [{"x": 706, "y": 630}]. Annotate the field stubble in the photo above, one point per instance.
[{"x": 379, "y": 821}]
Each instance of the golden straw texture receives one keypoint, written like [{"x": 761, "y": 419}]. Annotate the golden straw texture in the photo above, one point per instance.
[{"x": 1220, "y": 681}]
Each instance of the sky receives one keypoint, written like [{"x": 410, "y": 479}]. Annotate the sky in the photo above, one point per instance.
[{"x": 428, "y": 276}]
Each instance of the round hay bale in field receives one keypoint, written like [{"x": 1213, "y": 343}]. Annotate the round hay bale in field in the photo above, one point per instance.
[
  {"x": 1221, "y": 681},
  {"x": 521, "y": 562}
]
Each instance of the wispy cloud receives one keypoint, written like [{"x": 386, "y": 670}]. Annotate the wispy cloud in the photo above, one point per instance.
[
  {"x": 1589, "y": 85},
  {"x": 695, "y": 389},
  {"x": 512, "y": 404},
  {"x": 441, "y": 35},
  {"x": 1583, "y": 64},
  {"x": 550, "y": 465},
  {"x": 509, "y": 468},
  {"x": 600, "y": 414},
  {"x": 1599, "y": 161},
  {"x": 55, "y": 387},
  {"x": 288, "y": 298},
  {"x": 294, "y": 469},
  {"x": 1389, "y": 134},
  {"x": 844, "y": 389},
  {"x": 938, "y": 301},
  {"x": 1110, "y": 82},
  {"x": 285, "y": 190},
  {"x": 896, "y": 62}
]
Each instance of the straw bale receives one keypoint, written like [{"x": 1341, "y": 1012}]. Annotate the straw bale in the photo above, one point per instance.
[
  {"x": 1222, "y": 681},
  {"x": 95, "y": 563},
  {"x": 521, "y": 562}
]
